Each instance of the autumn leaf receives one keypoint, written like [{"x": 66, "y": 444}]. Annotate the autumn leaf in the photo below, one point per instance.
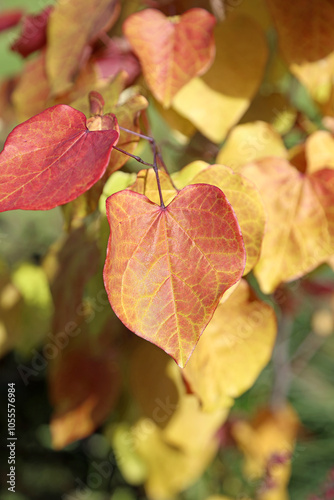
[
  {"x": 240, "y": 192},
  {"x": 267, "y": 443},
  {"x": 115, "y": 57},
  {"x": 249, "y": 142},
  {"x": 171, "y": 50},
  {"x": 164, "y": 446},
  {"x": 83, "y": 387},
  {"x": 216, "y": 101},
  {"x": 300, "y": 227},
  {"x": 167, "y": 268},
  {"x": 319, "y": 151},
  {"x": 51, "y": 159},
  {"x": 87, "y": 23},
  {"x": 306, "y": 40},
  {"x": 243, "y": 196},
  {"x": 33, "y": 36},
  {"x": 241, "y": 334},
  {"x": 10, "y": 18}
]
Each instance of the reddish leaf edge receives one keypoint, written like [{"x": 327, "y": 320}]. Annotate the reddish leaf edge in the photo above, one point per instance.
[{"x": 164, "y": 208}]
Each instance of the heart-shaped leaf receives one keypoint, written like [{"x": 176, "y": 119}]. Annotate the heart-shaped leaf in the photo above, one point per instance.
[
  {"x": 167, "y": 268},
  {"x": 171, "y": 50},
  {"x": 51, "y": 159}
]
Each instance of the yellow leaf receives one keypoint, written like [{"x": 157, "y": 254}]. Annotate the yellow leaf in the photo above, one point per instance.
[
  {"x": 170, "y": 470},
  {"x": 319, "y": 150},
  {"x": 249, "y": 142},
  {"x": 215, "y": 102},
  {"x": 146, "y": 183},
  {"x": 300, "y": 230},
  {"x": 234, "y": 348},
  {"x": 267, "y": 443}
]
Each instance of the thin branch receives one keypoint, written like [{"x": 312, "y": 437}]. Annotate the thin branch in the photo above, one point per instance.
[
  {"x": 137, "y": 158},
  {"x": 153, "y": 165},
  {"x": 155, "y": 151}
]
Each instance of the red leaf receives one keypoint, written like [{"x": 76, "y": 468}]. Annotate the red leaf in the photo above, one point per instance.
[
  {"x": 33, "y": 36},
  {"x": 167, "y": 268},
  {"x": 10, "y": 18},
  {"x": 116, "y": 57},
  {"x": 51, "y": 159}
]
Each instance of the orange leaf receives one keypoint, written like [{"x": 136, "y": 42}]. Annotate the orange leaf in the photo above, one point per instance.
[
  {"x": 51, "y": 159},
  {"x": 171, "y": 50},
  {"x": 241, "y": 334},
  {"x": 167, "y": 268},
  {"x": 86, "y": 24},
  {"x": 300, "y": 226}
]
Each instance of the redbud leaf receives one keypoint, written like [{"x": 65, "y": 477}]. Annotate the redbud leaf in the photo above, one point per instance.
[
  {"x": 33, "y": 36},
  {"x": 51, "y": 159},
  {"x": 300, "y": 222},
  {"x": 171, "y": 50},
  {"x": 167, "y": 268}
]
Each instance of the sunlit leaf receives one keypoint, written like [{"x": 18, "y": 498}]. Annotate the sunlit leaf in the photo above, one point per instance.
[
  {"x": 51, "y": 159},
  {"x": 147, "y": 277},
  {"x": 249, "y": 142},
  {"x": 241, "y": 334},
  {"x": 230, "y": 84},
  {"x": 300, "y": 227},
  {"x": 319, "y": 151},
  {"x": 87, "y": 23},
  {"x": 171, "y": 50}
]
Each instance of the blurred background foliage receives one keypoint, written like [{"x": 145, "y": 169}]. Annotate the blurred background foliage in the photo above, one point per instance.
[{"x": 25, "y": 238}]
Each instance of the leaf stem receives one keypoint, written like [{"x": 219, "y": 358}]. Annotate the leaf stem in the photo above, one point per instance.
[
  {"x": 156, "y": 155},
  {"x": 137, "y": 158},
  {"x": 153, "y": 165},
  {"x": 154, "y": 148}
]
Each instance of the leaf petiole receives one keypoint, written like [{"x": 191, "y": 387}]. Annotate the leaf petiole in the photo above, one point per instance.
[{"x": 154, "y": 165}]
